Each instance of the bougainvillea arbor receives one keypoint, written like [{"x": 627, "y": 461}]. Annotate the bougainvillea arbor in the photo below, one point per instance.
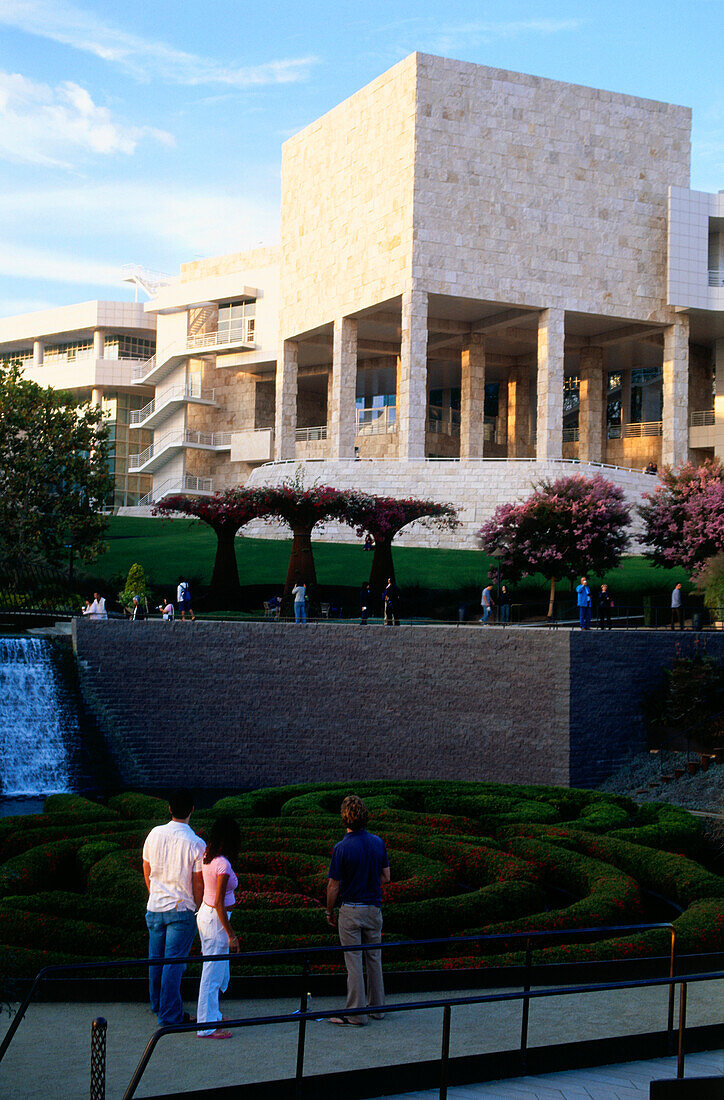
[
  {"x": 301, "y": 510},
  {"x": 466, "y": 858},
  {"x": 225, "y": 512},
  {"x": 567, "y": 527},
  {"x": 384, "y": 517}
]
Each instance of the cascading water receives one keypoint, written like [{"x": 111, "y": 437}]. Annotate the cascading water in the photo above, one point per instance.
[{"x": 39, "y": 721}]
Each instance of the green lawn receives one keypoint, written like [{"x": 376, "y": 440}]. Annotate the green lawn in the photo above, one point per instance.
[{"x": 168, "y": 548}]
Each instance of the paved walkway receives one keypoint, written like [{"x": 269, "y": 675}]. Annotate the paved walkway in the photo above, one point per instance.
[
  {"x": 49, "y": 1058},
  {"x": 628, "y": 1081}
]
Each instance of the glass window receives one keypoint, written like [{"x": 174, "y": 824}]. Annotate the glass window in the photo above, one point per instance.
[
  {"x": 70, "y": 352},
  {"x": 23, "y": 357},
  {"x": 121, "y": 346}
]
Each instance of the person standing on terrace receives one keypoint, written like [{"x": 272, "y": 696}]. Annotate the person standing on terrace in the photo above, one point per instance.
[
  {"x": 358, "y": 870},
  {"x": 172, "y": 868}
]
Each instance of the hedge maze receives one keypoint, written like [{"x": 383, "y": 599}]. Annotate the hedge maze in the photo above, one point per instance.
[{"x": 465, "y": 858}]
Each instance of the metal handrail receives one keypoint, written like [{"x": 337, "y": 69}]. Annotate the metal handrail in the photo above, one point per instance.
[
  {"x": 639, "y": 429},
  {"x": 716, "y": 277},
  {"x": 532, "y": 461},
  {"x": 188, "y": 483},
  {"x": 189, "y": 392},
  {"x": 304, "y": 953},
  {"x": 447, "y": 1004},
  {"x": 702, "y": 418},
  {"x": 310, "y": 435}
]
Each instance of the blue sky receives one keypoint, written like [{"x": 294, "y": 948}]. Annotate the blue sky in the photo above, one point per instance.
[{"x": 151, "y": 132}]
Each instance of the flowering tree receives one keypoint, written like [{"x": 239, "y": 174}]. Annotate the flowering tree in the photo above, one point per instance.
[
  {"x": 384, "y": 517},
  {"x": 302, "y": 509},
  {"x": 571, "y": 525},
  {"x": 684, "y": 516},
  {"x": 225, "y": 513}
]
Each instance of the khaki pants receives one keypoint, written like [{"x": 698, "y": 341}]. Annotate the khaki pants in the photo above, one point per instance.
[{"x": 362, "y": 924}]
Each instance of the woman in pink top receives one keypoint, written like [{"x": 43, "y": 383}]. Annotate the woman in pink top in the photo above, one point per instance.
[{"x": 217, "y": 935}]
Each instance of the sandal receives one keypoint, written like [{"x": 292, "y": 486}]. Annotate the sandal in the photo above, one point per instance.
[{"x": 345, "y": 1021}]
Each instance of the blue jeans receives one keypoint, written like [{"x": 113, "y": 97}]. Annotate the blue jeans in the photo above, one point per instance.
[
  {"x": 170, "y": 935},
  {"x": 300, "y": 612},
  {"x": 505, "y": 613},
  {"x": 486, "y": 614},
  {"x": 585, "y": 616}
]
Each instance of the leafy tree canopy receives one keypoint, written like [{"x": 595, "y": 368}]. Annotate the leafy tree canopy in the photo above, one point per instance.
[
  {"x": 684, "y": 516},
  {"x": 53, "y": 473},
  {"x": 569, "y": 526}
]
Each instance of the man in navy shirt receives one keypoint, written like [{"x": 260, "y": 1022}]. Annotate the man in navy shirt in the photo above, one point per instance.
[{"x": 358, "y": 869}]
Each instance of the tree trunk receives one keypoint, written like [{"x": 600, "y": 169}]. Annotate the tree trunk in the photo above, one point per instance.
[
  {"x": 225, "y": 587},
  {"x": 383, "y": 567},
  {"x": 301, "y": 559},
  {"x": 552, "y": 598}
]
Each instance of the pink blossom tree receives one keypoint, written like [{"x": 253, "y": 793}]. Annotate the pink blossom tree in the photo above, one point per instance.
[
  {"x": 384, "y": 517},
  {"x": 301, "y": 510},
  {"x": 225, "y": 512},
  {"x": 684, "y": 516},
  {"x": 569, "y": 526}
]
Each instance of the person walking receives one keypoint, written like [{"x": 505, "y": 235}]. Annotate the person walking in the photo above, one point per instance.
[
  {"x": 183, "y": 598},
  {"x": 506, "y": 600},
  {"x": 358, "y": 870},
  {"x": 391, "y": 603},
  {"x": 605, "y": 605},
  {"x": 364, "y": 604},
  {"x": 300, "y": 601},
  {"x": 584, "y": 604},
  {"x": 172, "y": 868},
  {"x": 677, "y": 609},
  {"x": 487, "y": 603},
  {"x": 213, "y": 921},
  {"x": 97, "y": 609}
]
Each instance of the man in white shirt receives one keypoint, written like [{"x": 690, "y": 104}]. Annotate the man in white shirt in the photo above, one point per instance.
[
  {"x": 97, "y": 609},
  {"x": 172, "y": 857}
]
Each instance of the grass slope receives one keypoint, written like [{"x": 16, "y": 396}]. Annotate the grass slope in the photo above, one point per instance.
[{"x": 168, "y": 548}]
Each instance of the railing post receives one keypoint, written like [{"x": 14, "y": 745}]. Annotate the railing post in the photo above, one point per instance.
[
  {"x": 98, "y": 1059},
  {"x": 299, "y": 1079},
  {"x": 445, "y": 1052},
  {"x": 682, "y": 1029},
  {"x": 526, "y": 1005},
  {"x": 672, "y": 992}
]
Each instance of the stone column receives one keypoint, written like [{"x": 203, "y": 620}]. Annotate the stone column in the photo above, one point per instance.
[
  {"x": 285, "y": 427},
  {"x": 343, "y": 389},
  {"x": 99, "y": 344},
  {"x": 625, "y": 399},
  {"x": 590, "y": 409},
  {"x": 675, "y": 428},
  {"x": 550, "y": 385},
  {"x": 97, "y": 396},
  {"x": 719, "y": 399},
  {"x": 472, "y": 396},
  {"x": 501, "y": 428},
  {"x": 412, "y": 376},
  {"x": 38, "y": 353},
  {"x": 518, "y": 411}
]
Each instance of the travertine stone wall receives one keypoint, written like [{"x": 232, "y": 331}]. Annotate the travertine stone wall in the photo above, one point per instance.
[
  {"x": 347, "y": 192},
  {"x": 591, "y": 397},
  {"x": 472, "y": 397},
  {"x": 412, "y": 376},
  {"x": 540, "y": 193},
  {"x": 343, "y": 389},
  {"x": 476, "y": 488}
]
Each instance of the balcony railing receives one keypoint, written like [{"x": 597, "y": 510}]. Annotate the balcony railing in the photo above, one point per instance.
[
  {"x": 376, "y": 421},
  {"x": 216, "y": 441},
  {"x": 191, "y": 390},
  {"x": 240, "y": 332},
  {"x": 187, "y": 484},
  {"x": 311, "y": 435},
  {"x": 443, "y": 421},
  {"x": 716, "y": 277},
  {"x": 701, "y": 419},
  {"x": 571, "y": 435}
]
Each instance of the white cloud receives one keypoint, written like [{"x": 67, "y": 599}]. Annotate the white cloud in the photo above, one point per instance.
[
  {"x": 141, "y": 57},
  {"x": 175, "y": 221},
  {"x": 27, "y": 262},
  {"x": 47, "y": 126},
  {"x": 477, "y": 33}
]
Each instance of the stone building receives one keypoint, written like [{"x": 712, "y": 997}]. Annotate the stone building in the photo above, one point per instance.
[
  {"x": 483, "y": 276},
  {"x": 90, "y": 349}
]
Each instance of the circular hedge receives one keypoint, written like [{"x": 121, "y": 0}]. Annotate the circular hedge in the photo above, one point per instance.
[{"x": 466, "y": 858}]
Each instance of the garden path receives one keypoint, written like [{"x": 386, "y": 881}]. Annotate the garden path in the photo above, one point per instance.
[{"x": 50, "y": 1055}]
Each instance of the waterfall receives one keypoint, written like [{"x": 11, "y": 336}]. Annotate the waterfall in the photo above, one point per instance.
[{"x": 38, "y": 719}]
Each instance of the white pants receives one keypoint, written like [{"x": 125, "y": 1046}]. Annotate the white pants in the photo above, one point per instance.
[{"x": 215, "y": 975}]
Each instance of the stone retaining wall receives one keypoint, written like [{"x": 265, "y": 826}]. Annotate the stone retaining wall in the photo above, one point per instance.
[{"x": 253, "y": 704}]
